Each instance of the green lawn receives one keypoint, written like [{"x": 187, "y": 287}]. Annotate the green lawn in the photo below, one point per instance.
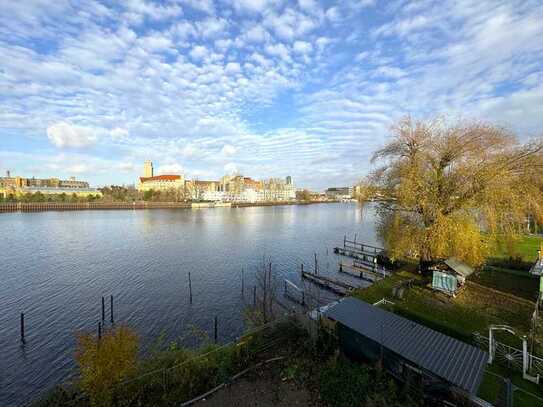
[
  {"x": 515, "y": 282},
  {"x": 473, "y": 310},
  {"x": 525, "y": 247},
  {"x": 528, "y": 394}
]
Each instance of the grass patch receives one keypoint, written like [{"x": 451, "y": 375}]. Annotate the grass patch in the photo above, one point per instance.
[
  {"x": 518, "y": 283},
  {"x": 491, "y": 388},
  {"x": 521, "y": 256},
  {"x": 473, "y": 310}
]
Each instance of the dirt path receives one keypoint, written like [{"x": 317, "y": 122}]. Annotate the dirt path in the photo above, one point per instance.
[{"x": 262, "y": 388}]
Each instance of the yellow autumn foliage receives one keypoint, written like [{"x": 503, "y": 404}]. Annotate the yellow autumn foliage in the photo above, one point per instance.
[
  {"x": 106, "y": 362},
  {"x": 455, "y": 189}
]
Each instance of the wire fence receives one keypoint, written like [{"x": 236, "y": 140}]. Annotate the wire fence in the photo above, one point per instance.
[{"x": 196, "y": 375}]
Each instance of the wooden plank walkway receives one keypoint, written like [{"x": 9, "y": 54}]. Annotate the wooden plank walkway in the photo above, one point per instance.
[
  {"x": 362, "y": 273},
  {"x": 336, "y": 286}
]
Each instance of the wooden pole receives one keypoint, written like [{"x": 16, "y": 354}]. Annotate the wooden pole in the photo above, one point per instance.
[
  {"x": 111, "y": 307},
  {"x": 99, "y": 331},
  {"x": 103, "y": 309},
  {"x": 190, "y": 289},
  {"x": 23, "y": 327},
  {"x": 302, "y": 270},
  {"x": 216, "y": 333},
  {"x": 316, "y": 265}
]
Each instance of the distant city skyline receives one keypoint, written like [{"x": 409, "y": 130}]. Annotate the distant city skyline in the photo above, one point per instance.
[{"x": 265, "y": 88}]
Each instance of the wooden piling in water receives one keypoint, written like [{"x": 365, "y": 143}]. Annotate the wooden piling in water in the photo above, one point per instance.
[
  {"x": 103, "y": 309},
  {"x": 99, "y": 331},
  {"x": 216, "y": 332},
  {"x": 111, "y": 307},
  {"x": 316, "y": 265},
  {"x": 23, "y": 328},
  {"x": 190, "y": 289}
]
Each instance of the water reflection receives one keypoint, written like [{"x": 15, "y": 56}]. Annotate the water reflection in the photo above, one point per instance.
[{"x": 57, "y": 265}]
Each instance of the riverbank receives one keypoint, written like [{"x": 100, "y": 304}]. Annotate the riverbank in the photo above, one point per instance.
[{"x": 78, "y": 206}]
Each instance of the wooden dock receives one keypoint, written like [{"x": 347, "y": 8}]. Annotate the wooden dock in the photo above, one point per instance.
[
  {"x": 336, "y": 286},
  {"x": 361, "y": 247},
  {"x": 355, "y": 254},
  {"x": 359, "y": 272}
]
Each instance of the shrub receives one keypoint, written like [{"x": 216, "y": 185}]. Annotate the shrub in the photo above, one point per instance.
[{"x": 106, "y": 362}]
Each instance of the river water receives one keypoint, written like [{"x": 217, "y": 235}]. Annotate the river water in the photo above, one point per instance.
[{"x": 56, "y": 266}]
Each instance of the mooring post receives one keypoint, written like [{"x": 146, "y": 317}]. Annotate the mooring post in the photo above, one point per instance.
[
  {"x": 303, "y": 297},
  {"x": 340, "y": 267},
  {"x": 302, "y": 270},
  {"x": 190, "y": 289},
  {"x": 99, "y": 331},
  {"x": 111, "y": 307},
  {"x": 103, "y": 309},
  {"x": 254, "y": 296},
  {"x": 216, "y": 329},
  {"x": 316, "y": 265},
  {"x": 23, "y": 327}
]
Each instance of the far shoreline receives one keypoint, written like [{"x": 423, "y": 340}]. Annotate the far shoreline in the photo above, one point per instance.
[{"x": 10, "y": 207}]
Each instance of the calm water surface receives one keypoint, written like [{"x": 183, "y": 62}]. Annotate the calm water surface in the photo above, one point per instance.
[{"x": 56, "y": 266}]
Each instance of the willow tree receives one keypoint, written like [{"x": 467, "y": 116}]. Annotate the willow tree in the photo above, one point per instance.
[{"x": 454, "y": 190}]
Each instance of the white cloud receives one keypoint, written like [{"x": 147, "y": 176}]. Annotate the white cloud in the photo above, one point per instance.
[
  {"x": 232, "y": 68},
  {"x": 206, "y": 6},
  {"x": 199, "y": 52},
  {"x": 256, "y": 34},
  {"x": 170, "y": 169},
  {"x": 252, "y": 6},
  {"x": 228, "y": 150},
  {"x": 119, "y": 133},
  {"x": 231, "y": 168},
  {"x": 302, "y": 47},
  {"x": 278, "y": 50},
  {"x": 63, "y": 134},
  {"x": 290, "y": 24},
  {"x": 211, "y": 27}
]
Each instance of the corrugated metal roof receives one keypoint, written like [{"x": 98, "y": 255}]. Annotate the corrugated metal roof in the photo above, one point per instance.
[
  {"x": 457, "y": 362},
  {"x": 459, "y": 266}
]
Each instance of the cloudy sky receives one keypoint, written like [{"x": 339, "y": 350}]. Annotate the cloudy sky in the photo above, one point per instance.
[{"x": 262, "y": 87}]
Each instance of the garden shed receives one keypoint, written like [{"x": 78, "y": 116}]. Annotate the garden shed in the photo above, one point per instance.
[
  {"x": 409, "y": 351},
  {"x": 450, "y": 275}
]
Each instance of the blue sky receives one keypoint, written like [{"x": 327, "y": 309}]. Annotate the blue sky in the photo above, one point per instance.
[{"x": 267, "y": 88}]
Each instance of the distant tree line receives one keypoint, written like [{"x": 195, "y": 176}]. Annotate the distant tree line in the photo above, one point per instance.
[{"x": 40, "y": 197}]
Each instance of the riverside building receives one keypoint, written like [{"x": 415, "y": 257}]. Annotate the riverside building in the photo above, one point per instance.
[
  {"x": 16, "y": 186},
  {"x": 165, "y": 182}
]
